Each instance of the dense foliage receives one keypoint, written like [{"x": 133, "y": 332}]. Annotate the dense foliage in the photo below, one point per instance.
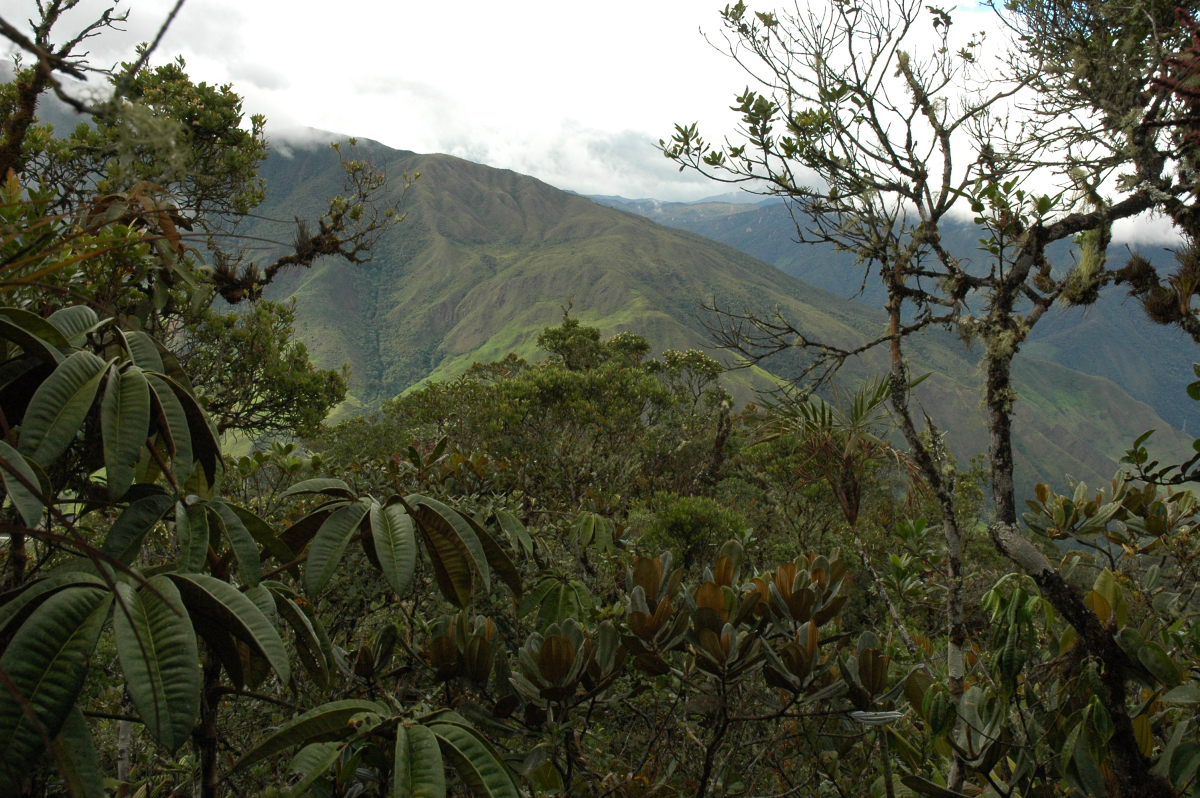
[{"x": 590, "y": 574}]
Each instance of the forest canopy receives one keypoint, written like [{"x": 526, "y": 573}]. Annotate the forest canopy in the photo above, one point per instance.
[{"x": 592, "y": 572}]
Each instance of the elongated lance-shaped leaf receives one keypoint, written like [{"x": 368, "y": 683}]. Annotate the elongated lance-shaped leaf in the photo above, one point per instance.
[
  {"x": 477, "y": 762},
  {"x": 454, "y": 525},
  {"x": 191, "y": 531},
  {"x": 515, "y": 530},
  {"x": 46, "y": 663},
  {"x": 30, "y": 344},
  {"x": 75, "y": 754},
  {"x": 177, "y": 433},
  {"x": 327, "y": 548},
  {"x": 27, "y": 503},
  {"x": 142, "y": 351},
  {"x": 20, "y": 604},
  {"x": 244, "y": 547},
  {"x": 125, "y": 537},
  {"x": 326, "y": 722},
  {"x": 395, "y": 544},
  {"x": 322, "y": 760},
  {"x": 157, "y": 648},
  {"x": 36, "y": 325},
  {"x": 75, "y": 323},
  {"x": 263, "y": 535},
  {"x": 206, "y": 444},
  {"x": 308, "y": 642},
  {"x": 225, "y": 609},
  {"x": 59, "y": 406},
  {"x": 329, "y": 487},
  {"x": 497, "y": 558},
  {"x": 125, "y": 424},
  {"x": 419, "y": 772},
  {"x": 451, "y": 563}
]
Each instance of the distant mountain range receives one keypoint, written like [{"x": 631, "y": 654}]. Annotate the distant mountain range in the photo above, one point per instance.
[
  {"x": 1111, "y": 339},
  {"x": 487, "y": 257}
]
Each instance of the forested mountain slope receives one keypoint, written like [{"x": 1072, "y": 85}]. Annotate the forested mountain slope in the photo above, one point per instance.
[
  {"x": 1111, "y": 339},
  {"x": 486, "y": 258}
]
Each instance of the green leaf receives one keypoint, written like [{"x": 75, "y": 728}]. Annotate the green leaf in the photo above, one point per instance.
[
  {"x": 30, "y": 343},
  {"x": 1183, "y": 694},
  {"x": 125, "y": 537},
  {"x": 329, "y": 487},
  {"x": 75, "y": 323},
  {"x": 1088, "y": 769},
  {"x": 453, "y": 525},
  {"x": 308, "y": 641},
  {"x": 19, "y": 604},
  {"x": 325, "y": 552},
  {"x": 142, "y": 351},
  {"x": 206, "y": 446},
  {"x": 516, "y": 531},
  {"x": 326, "y": 721},
  {"x": 157, "y": 648},
  {"x": 218, "y": 608},
  {"x": 59, "y": 406},
  {"x": 1160, "y": 664},
  {"x": 125, "y": 423},
  {"x": 242, "y": 542},
  {"x": 497, "y": 558},
  {"x": 27, "y": 503},
  {"x": 263, "y": 535},
  {"x": 75, "y": 752},
  {"x": 47, "y": 663},
  {"x": 395, "y": 544},
  {"x": 36, "y": 325},
  {"x": 926, "y": 787},
  {"x": 419, "y": 771},
  {"x": 173, "y": 424},
  {"x": 323, "y": 759},
  {"x": 1184, "y": 762},
  {"x": 191, "y": 531},
  {"x": 477, "y": 762}
]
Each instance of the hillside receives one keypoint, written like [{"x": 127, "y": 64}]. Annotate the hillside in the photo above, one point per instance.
[
  {"x": 486, "y": 258},
  {"x": 1110, "y": 339}
]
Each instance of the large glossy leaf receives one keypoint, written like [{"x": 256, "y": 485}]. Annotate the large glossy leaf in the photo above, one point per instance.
[
  {"x": 327, "y": 548},
  {"x": 19, "y": 604},
  {"x": 395, "y": 544},
  {"x": 142, "y": 351},
  {"x": 453, "y": 525},
  {"x": 75, "y": 752},
  {"x": 157, "y": 648},
  {"x": 515, "y": 530},
  {"x": 242, "y": 542},
  {"x": 30, "y": 343},
  {"x": 173, "y": 424},
  {"x": 301, "y": 533},
  {"x": 206, "y": 445},
  {"x": 59, "y": 406},
  {"x": 125, "y": 537},
  {"x": 329, "y": 487},
  {"x": 27, "y": 503},
  {"x": 218, "y": 606},
  {"x": 419, "y": 772},
  {"x": 451, "y": 564},
  {"x": 125, "y": 423},
  {"x": 320, "y": 760},
  {"x": 75, "y": 323},
  {"x": 308, "y": 642},
  {"x": 326, "y": 722},
  {"x": 46, "y": 663},
  {"x": 477, "y": 762},
  {"x": 263, "y": 535},
  {"x": 191, "y": 532},
  {"x": 497, "y": 558}
]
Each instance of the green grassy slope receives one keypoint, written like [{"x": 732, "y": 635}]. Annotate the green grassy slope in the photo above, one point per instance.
[{"x": 488, "y": 257}]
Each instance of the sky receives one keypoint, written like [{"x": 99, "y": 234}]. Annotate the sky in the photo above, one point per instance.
[{"x": 576, "y": 94}]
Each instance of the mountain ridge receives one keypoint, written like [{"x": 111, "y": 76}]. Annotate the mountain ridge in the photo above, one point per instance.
[{"x": 486, "y": 258}]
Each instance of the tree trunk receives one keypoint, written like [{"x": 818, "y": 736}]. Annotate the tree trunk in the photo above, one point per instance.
[
  {"x": 124, "y": 748},
  {"x": 206, "y": 734},
  {"x": 940, "y": 479},
  {"x": 12, "y": 134}
]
